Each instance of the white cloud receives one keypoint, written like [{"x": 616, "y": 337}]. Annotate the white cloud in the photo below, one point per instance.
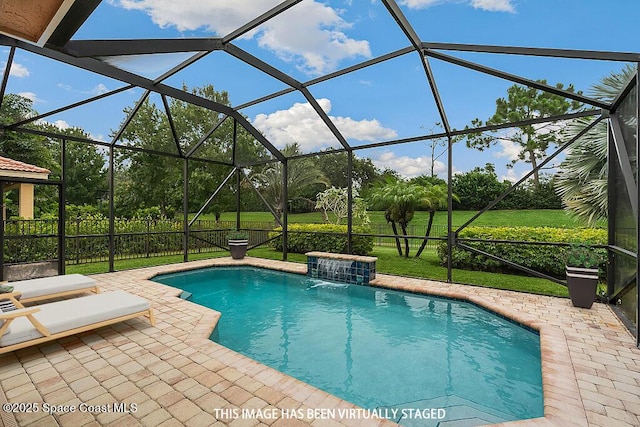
[
  {"x": 420, "y": 4},
  {"x": 61, "y": 124},
  {"x": 494, "y": 5},
  {"x": 99, "y": 89},
  {"x": 488, "y": 5},
  {"x": 513, "y": 176},
  {"x": 510, "y": 149},
  {"x": 301, "y": 124},
  {"x": 311, "y": 34},
  {"x": 97, "y": 137},
  {"x": 408, "y": 167},
  {"x": 30, "y": 95},
  {"x": 18, "y": 70}
]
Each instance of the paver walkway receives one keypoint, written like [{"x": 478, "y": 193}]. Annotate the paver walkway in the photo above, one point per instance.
[{"x": 133, "y": 374}]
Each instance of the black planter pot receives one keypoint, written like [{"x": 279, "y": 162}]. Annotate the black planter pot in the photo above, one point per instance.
[
  {"x": 238, "y": 248},
  {"x": 582, "y": 284}
]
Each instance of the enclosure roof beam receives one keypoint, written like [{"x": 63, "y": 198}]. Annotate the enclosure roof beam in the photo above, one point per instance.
[
  {"x": 538, "y": 120},
  {"x": 625, "y": 164},
  {"x": 360, "y": 66},
  {"x": 172, "y": 125},
  {"x": 93, "y": 48},
  {"x": 108, "y": 144},
  {"x": 132, "y": 113},
  {"x": 623, "y": 94},
  {"x": 532, "y": 51},
  {"x": 213, "y": 196},
  {"x": 205, "y": 137},
  {"x": 436, "y": 93},
  {"x": 325, "y": 118},
  {"x": 330, "y": 76},
  {"x": 265, "y": 98},
  {"x": 279, "y": 75},
  {"x": 105, "y": 69},
  {"x": 516, "y": 79},
  {"x": 272, "y": 13},
  {"x": 320, "y": 153},
  {"x": 266, "y": 203},
  {"x": 70, "y": 106},
  {"x": 257, "y": 135},
  {"x": 402, "y": 21},
  {"x": 405, "y": 26},
  {"x": 184, "y": 64},
  {"x": 72, "y": 21},
  {"x": 7, "y": 71},
  {"x": 539, "y": 167},
  {"x": 262, "y": 161},
  {"x": 247, "y": 58},
  {"x": 569, "y": 116}
]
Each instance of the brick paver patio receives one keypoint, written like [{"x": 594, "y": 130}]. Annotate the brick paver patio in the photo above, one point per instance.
[{"x": 132, "y": 374}]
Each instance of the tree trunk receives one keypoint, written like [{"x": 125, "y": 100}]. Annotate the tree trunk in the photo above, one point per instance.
[
  {"x": 278, "y": 210},
  {"x": 406, "y": 240},
  {"x": 534, "y": 165},
  {"x": 426, "y": 235},
  {"x": 395, "y": 232}
]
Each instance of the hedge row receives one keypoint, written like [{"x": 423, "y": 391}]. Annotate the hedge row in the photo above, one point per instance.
[
  {"x": 147, "y": 237},
  {"x": 301, "y": 239},
  {"x": 543, "y": 258}
]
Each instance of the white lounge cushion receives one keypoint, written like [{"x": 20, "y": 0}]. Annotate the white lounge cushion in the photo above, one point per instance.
[
  {"x": 74, "y": 313},
  {"x": 52, "y": 285}
]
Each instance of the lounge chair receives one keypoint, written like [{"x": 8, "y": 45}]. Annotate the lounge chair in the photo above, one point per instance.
[
  {"x": 52, "y": 287},
  {"x": 29, "y": 326}
]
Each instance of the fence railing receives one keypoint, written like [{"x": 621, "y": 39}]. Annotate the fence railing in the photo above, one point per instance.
[{"x": 87, "y": 240}]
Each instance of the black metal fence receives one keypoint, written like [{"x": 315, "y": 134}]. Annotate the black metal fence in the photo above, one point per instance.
[
  {"x": 87, "y": 240},
  {"x": 437, "y": 231}
]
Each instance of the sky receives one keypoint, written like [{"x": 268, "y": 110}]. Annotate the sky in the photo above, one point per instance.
[{"x": 385, "y": 102}]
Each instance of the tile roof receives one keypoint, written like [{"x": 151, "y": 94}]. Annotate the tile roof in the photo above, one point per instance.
[{"x": 14, "y": 165}]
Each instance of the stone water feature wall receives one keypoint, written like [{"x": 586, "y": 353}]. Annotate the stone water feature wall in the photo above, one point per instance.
[{"x": 344, "y": 268}]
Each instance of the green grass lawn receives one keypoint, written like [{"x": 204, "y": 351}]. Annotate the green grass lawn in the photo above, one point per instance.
[
  {"x": 388, "y": 261},
  {"x": 427, "y": 266},
  {"x": 532, "y": 218},
  {"x": 103, "y": 267}
]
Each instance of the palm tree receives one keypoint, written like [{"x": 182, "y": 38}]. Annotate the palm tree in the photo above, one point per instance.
[
  {"x": 301, "y": 173},
  {"x": 432, "y": 198},
  {"x": 400, "y": 200},
  {"x": 582, "y": 180}
]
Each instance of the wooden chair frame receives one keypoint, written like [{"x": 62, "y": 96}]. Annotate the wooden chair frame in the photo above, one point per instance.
[
  {"x": 21, "y": 310},
  {"x": 94, "y": 288}
]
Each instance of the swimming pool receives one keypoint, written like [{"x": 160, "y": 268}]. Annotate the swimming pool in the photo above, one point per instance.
[{"x": 374, "y": 347}]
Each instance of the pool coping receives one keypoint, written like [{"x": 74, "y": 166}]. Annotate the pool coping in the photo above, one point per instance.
[{"x": 561, "y": 394}]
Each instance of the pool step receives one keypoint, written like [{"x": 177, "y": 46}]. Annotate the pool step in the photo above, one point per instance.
[
  {"x": 460, "y": 412},
  {"x": 186, "y": 295}
]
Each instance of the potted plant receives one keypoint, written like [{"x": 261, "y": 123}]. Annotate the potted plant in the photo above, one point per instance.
[
  {"x": 582, "y": 263},
  {"x": 238, "y": 242}
]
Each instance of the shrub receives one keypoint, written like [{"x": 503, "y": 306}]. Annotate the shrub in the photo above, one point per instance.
[
  {"x": 583, "y": 256},
  {"x": 79, "y": 211},
  {"x": 153, "y": 212},
  {"x": 304, "y": 240},
  {"x": 543, "y": 258}
]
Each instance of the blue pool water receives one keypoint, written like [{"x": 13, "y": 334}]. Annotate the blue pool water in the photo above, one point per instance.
[{"x": 375, "y": 348}]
